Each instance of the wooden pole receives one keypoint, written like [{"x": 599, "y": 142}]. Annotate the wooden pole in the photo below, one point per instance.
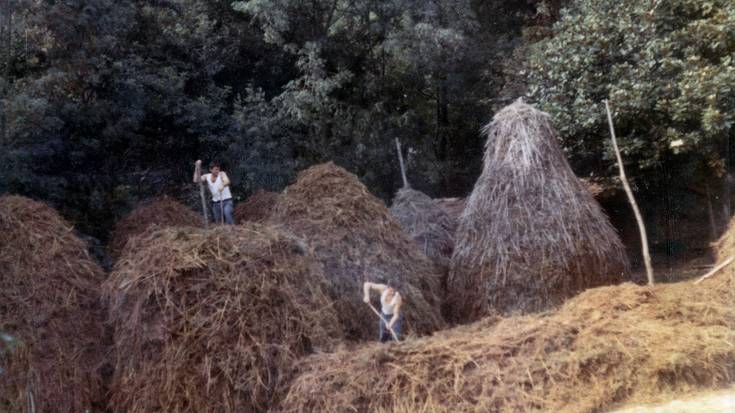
[
  {"x": 711, "y": 213},
  {"x": 403, "y": 167},
  {"x": 715, "y": 270},
  {"x": 631, "y": 198},
  {"x": 393, "y": 333},
  {"x": 203, "y": 197}
]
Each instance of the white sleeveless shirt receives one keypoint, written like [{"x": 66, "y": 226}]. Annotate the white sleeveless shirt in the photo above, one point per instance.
[
  {"x": 214, "y": 188},
  {"x": 388, "y": 307}
]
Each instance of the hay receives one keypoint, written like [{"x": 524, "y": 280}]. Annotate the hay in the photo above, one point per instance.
[
  {"x": 608, "y": 346},
  {"x": 424, "y": 221},
  {"x": 724, "y": 248},
  {"x": 353, "y": 234},
  {"x": 256, "y": 208},
  {"x": 453, "y": 207},
  {"x": 210, "y": 321},
  {"x": 49, "y": 304},
  {"x": 531, "y": 235},
  {"x": 161, "y": 211}
]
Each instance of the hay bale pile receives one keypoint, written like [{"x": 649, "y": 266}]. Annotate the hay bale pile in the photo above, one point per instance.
[
  {"x": 531, "y": 234},
  {"x": 353, "y": 234},
  {"x": 213, "y": 320},
  {"x": 424, "y": 221},
  {"x": 162, "y": 211},
  {"x": 49, "y": 305},
  {"x": 603, "y": 348},
  {"x": 256, "y": 208}
]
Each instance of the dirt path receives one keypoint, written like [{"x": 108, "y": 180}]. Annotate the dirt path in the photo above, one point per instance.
[{"x": 712, "y": 402}]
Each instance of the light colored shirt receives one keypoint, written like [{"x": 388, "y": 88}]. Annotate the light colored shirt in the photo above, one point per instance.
[
  {"x": 214, "y": 187},
  {"x": 388, "y": 306}
]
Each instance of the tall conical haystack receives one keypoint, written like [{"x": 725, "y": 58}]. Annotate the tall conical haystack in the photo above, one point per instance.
[
  {"x": 257, "y": 208},
  {"x": 353, "y": 234},
  {"x": 49, "y": 305},
  {"x": 604, "y": 348},
  {"x": 424, "y": 221},
  {"x": 213, "y": 320},
  {"x": 531, "y": 234},
  {"x": 163, "y": 211}
]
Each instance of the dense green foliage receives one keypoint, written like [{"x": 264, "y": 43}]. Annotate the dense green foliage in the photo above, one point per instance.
[
  {"x": 668, "y": 69},
  {"x": 106, "y": 102}
]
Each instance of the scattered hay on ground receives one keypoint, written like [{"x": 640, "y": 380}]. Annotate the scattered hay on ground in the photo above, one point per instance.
[
  {"x": 424, "y": 221},
  {"x": 353, "y": 234},
  {"x": 257, "y": 208},
  {"x": 161, "y": 211},
  {"x": 605, "y": 347},
  {"x": 51, "y": 329},
  {"x": 213, "y": 320},
  {"x": 531, "y": 234}
]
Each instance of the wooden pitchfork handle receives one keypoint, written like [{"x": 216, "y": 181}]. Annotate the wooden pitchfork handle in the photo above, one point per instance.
[{"x": 393, "y": 333}]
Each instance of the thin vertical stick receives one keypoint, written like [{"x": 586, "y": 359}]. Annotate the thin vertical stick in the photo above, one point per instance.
[
  {"x": 711, "y": 213},
  {"x": 403, "y": 168},
  {"x": 203, "y": 198},
  {"x": 631, "y": 198}
]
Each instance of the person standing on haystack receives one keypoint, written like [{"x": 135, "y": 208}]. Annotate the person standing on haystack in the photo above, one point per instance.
[
  {"x": 390, "y": 311},
  {"x": 219, "y": 187}
]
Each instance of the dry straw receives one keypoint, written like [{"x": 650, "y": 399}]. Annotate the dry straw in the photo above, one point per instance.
[
  {"x": 354, "y": 236},
  {"x": 163, "y": 211},
  {"x": 257, "y": 208},
  {"x": 49, "y": 305},
  {"x": 430, "y": 226},
  {"x": 605, "y": 347},
  {"x": 531, "y": 234},
  {"x": 213, "y": 320}
]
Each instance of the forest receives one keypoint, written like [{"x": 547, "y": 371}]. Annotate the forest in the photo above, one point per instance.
[{"x": 106, "y": 103}]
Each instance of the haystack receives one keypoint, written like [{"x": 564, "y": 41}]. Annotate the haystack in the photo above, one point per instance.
[
  {"x": 453, "y": 207},
  {"x": 51, "y": 329},
  {"x": 213, "y": 320},
  {"x": 424, "y": 221},
  {"x": 531, "y": 234},
  {"x": 163, "y": 211},
  {"x": 357, "y": 240},
  {"x": 605, "y": 347},
  {"x": 256, "y": 208}
]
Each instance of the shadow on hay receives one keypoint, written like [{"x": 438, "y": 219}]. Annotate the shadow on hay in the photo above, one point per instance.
[
  {"x": 49, "y": 305},
  {"x": 257, "y": 208},
  {"x": 214, "y": 320}
]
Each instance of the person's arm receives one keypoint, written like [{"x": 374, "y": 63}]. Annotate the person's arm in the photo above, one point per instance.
[
  {"x": 225, "y": 179},
  {"x": 367, "y": 286},
  {"x": 197, "y": 171},
  {"x": 396, "y": 311}
]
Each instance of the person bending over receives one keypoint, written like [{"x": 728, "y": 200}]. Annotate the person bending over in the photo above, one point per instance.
[
  {"x": 219, "y": 187},
  {"x": 390, "y": 306}
]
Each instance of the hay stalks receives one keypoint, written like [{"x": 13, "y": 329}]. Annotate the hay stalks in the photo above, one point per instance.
[
  {"x": 531, "y": 234},
  {"x": 257, "y": 208},
  {"x": 49, "y": 311},
  {"x": 354, "y": 236},
  {"x": 162, "y": 211},
  {"x": 607, "y": 346},
  {"x": 213, "y": 320},
  {"x": 424, "y": 221}
]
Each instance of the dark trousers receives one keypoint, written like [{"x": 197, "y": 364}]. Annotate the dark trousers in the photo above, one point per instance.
[
  {"x": 385, "y": 334},
  {"x": 228, "y": 206}
]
